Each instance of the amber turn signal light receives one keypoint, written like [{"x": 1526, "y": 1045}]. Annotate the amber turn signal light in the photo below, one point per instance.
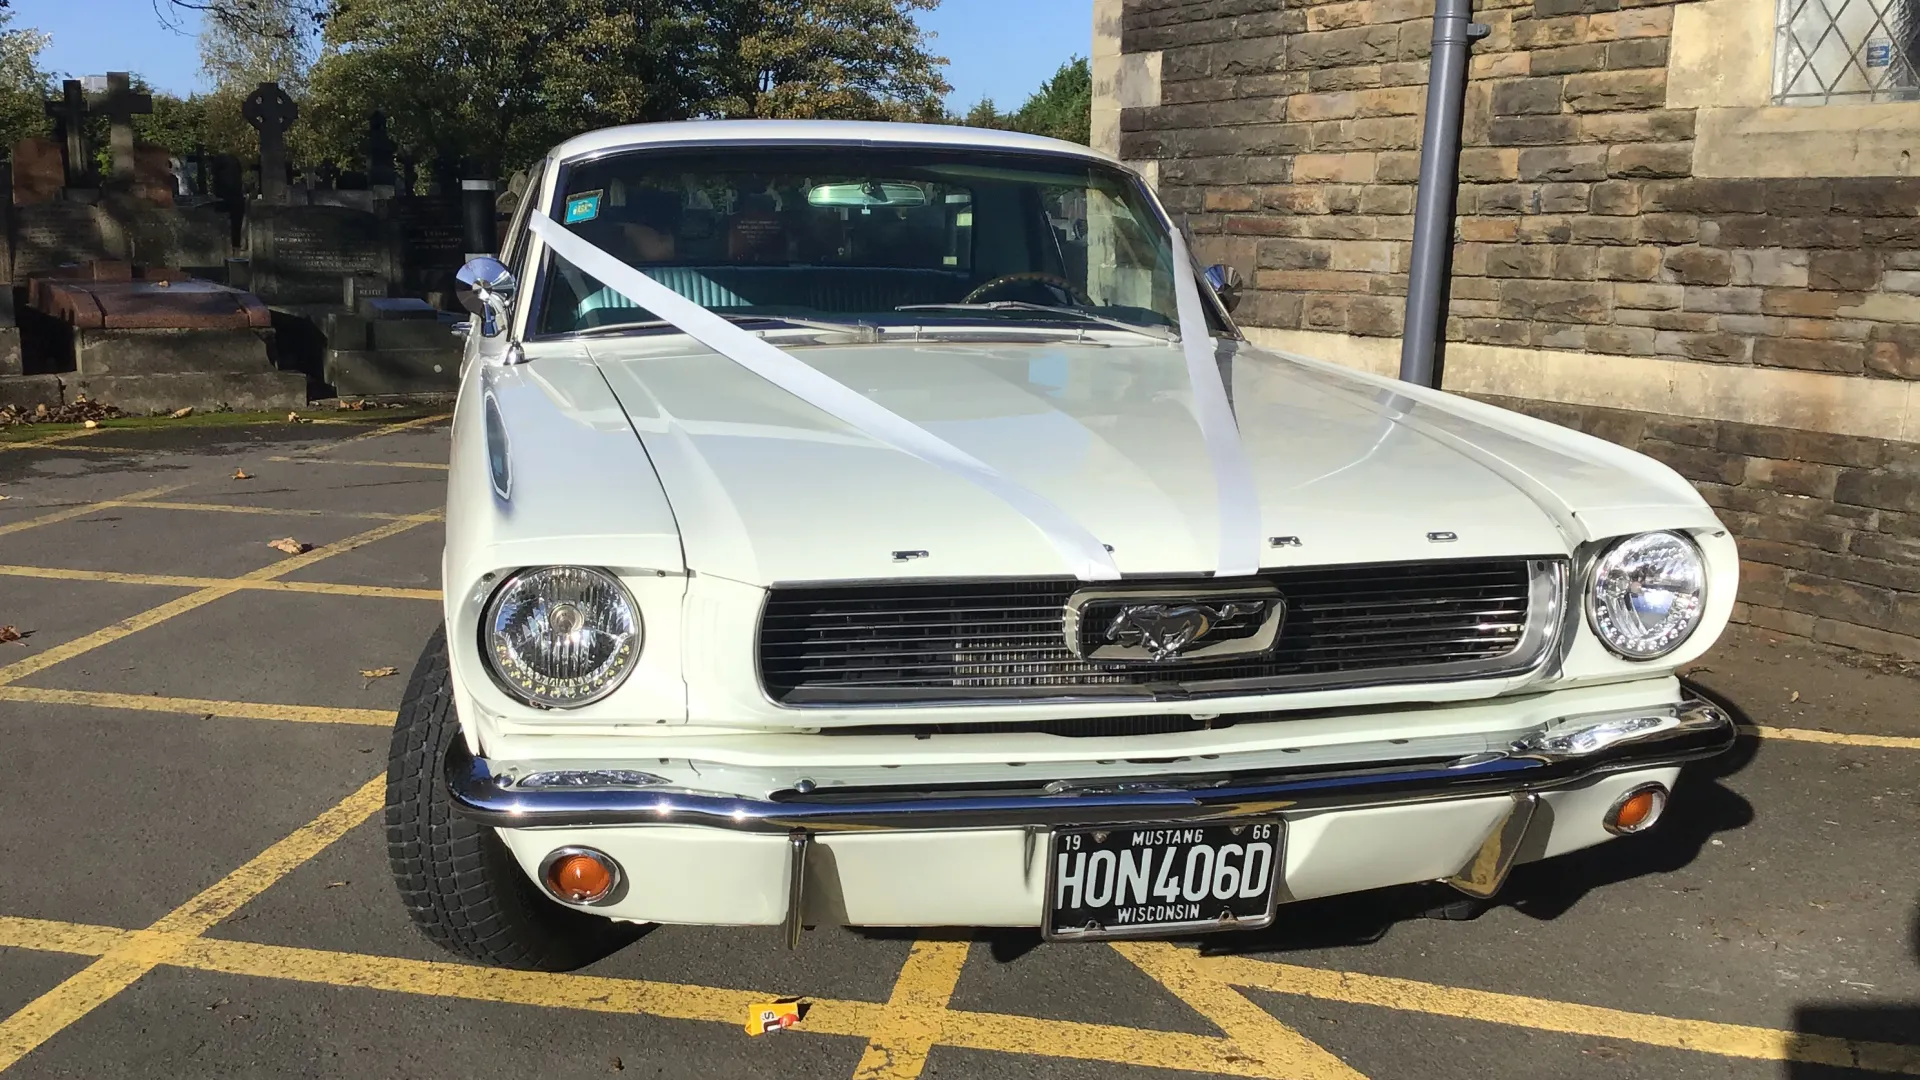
[
  {"x": 580, "y": 875},
  {"x": 1637, "y": 810}
]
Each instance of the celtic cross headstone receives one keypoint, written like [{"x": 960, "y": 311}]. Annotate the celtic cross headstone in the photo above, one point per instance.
[{"x": 271, "y": 112}]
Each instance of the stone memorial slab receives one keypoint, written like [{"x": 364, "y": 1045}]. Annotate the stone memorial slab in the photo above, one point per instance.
[
  {"x": 38, "y": 171},
  {"x": 432, "y": 240},
  {"x": 55, "y": 234},
  {"x": 195, "y": 238},
  {"x": 154, "y": 182},
  {"x": 299, "y": 254}
]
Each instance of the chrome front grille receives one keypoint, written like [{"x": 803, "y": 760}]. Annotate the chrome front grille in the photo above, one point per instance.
[{"x": 891, "y": 643}]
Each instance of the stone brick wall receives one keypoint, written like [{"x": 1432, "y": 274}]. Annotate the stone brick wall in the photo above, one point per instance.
[
  {"x": 1288, "y": 135},
  {"x": 1828, "y": 526}
]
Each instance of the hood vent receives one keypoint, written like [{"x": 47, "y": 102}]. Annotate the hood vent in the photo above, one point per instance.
[{"x": 925, "y": 643}]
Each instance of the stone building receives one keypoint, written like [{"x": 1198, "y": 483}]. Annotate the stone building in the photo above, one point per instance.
[{"x": 1682, "y": 226}]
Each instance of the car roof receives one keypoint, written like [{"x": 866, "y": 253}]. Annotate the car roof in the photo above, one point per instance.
[{"x": 790, "y": 132}]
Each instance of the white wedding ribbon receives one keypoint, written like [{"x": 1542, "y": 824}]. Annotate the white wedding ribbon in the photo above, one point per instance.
[
  {"x": 1239, "y": 500},
  {"x": 1088, "y": 558}
]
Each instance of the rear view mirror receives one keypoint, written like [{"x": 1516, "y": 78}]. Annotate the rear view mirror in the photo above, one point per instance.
[{"x": 867, "y": 195}]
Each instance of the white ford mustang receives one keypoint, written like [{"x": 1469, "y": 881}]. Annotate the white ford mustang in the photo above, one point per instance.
[{"x": 886, "y": 525}]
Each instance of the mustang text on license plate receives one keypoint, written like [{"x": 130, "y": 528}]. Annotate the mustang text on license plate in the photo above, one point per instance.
[{"x": 1132, "y": 880}]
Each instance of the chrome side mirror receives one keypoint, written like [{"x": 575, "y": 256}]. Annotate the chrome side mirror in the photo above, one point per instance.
[
  {"x": 1225, "y": 282},
  {"x": 485, "y": 287}
]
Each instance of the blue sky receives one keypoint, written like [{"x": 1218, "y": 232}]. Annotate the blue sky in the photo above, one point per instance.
[{"x": 1001, "y": 49}]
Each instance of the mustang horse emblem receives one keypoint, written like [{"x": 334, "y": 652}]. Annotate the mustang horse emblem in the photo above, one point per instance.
[{"x": 1166, "y": 629}]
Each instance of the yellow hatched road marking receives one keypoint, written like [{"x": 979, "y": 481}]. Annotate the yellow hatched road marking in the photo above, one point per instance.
[
  {"x": 385, "y": 429},
  {"x": 20, "y": 669},
  {"x": 57, "y": 437},
  {"x": 61, "y": 573},
  {"x": 138, "y": 952},
  {"x": 1705, "y": 1036},
  {"x": 84, "y": 509},
  {"x": 915, "y": 1013},
  {"x": 235, "y": 710},
  {"x": 1247, "y": 1025},
  {"x": 432, "y": 465},
  {"x": 1833, "y": 738},
  {"x": 1000, "y": 1032}
]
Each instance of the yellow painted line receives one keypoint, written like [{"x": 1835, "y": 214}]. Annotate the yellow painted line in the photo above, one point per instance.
[
  {"x": 1833, "y": 738},
  {"x": 999, "y": 1032},
  {"x": 1567, "y": 1018},
  {"x": 915, "y": 1013},
  {"x": 379, "y": 432},
  {"x": 432, "y": 465},
  {"x": 233, "y": 710},
  {"x": 61, "y": 573},
  {"x": 56, "y": 438},
  {"x": 140, "y": 952},
  {"x": 1246, "y": 1024},
  {"x": 273, "y": 511},
  {"x": 20, "y": 669},
  {"x": 83, "y": 510}
]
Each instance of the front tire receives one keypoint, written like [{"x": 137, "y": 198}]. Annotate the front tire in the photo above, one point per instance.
[{"x": 463, "y": 889}]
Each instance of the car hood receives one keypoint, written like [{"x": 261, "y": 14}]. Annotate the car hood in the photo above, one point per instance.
[{"x": 765, "y": 488}]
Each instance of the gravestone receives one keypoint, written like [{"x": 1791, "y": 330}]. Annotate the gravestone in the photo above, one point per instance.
[
  {"x": 55, "y": 234},
  {"x": 39, "y": 171},
  {"x": 121, "y": 105},
  {"x": 195, "y": 239},
  {"x": 271, "y": 112},
  {"x": 299, "y": 254},
  {"x": 154, "y": 182},
  {"x": 69, "y": 113},
  {"x": 380, "y": 171},
  {"x": 432, "y": 240}
]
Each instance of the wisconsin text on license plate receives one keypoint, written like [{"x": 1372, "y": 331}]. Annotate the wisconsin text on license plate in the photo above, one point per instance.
[{"x": 1125, "y": 880}]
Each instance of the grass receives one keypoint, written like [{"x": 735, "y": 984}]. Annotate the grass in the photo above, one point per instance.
[{"x": 28, "y": 432}]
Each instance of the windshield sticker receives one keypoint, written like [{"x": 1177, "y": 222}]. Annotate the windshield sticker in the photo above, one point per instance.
[{"x": 583, "y": 207}]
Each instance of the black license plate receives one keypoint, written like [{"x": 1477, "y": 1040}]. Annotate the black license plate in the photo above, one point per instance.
[{"x": 1143, "y": 880}]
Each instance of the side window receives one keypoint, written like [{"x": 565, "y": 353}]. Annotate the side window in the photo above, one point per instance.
[{"x": 514, "y": 254}]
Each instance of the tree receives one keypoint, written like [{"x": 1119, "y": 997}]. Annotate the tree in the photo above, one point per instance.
[
  {"x": 833, "y": 59},
  {"x": 23, "y": 86},
  {"x": 499, "y": 83},
  {"x": 1063, "y": 106}
]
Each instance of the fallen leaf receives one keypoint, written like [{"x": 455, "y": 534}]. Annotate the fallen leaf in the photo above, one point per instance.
[
  {"x": 1795, "y": 697},
  {"x": 4, "y": 498},
  {"x": 379, "y": 672},
  {"x": 91, "y": 424},
  {"x": 11, "y": 633},
  {"x": 618, "y": 1065},
  {"x": 242, "y": 474},
  {"x": 335, "y": 884},
  {"x": 181, "y": 412},
  {"x": 291, "y": 546},
  {"x": 217, "y": 1004}
]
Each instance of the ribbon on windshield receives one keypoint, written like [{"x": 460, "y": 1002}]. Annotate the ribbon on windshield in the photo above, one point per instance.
[
  {"x": 1239, "y": 500},
  {"x": 1088, "y": 558}
]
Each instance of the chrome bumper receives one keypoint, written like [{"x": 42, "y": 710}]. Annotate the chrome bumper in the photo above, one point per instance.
[{"x": 1556, "y": 755}]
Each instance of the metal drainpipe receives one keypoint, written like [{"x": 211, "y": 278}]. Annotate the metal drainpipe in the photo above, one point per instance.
[{"x": 1422, "y": 346}]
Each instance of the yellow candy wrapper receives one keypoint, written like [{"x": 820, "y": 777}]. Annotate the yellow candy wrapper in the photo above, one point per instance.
[{"x": 772, "y": 1016}]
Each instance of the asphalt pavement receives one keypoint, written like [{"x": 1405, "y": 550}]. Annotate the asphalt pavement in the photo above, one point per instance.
[{"x": 193, "y": 877}]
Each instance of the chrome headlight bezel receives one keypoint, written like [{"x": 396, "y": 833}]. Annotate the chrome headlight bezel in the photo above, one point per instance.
[
  {"x": 1598, "y": 613},
  {"x": 524, "y": 682}
]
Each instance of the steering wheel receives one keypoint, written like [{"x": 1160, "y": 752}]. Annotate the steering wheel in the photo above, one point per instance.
[{"x": 1044, "y": 278}]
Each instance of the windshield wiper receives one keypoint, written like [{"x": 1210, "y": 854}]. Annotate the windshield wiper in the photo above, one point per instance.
[
  {"x": 1021, "y": 305},
  {"x": 865, "y": 331}
]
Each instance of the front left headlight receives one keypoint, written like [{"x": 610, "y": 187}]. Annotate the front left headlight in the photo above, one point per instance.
[
  {"x": 1647, "y": 594},
  {"x": 561, "y": 636}
]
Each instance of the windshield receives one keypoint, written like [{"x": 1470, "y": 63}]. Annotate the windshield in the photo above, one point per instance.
[{"x": 891, "y": 237}]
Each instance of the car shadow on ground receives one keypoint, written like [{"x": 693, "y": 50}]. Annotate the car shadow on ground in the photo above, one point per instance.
[{"x": 1891, "y": 1022}]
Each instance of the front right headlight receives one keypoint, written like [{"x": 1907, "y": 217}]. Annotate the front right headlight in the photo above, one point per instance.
[
  {"x": 561, "y": 636},
  {"x": 1647, "y": 594}
]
